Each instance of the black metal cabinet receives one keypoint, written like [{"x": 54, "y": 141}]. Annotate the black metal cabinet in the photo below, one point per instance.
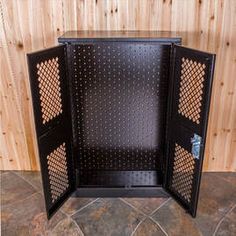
[{"x": 121, "y": 114}]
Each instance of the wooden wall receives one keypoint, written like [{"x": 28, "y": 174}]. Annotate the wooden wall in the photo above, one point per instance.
[{"x": 29, "y": 25}]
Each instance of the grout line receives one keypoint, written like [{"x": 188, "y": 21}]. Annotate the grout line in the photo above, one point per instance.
[
  {"x": 135, "y": 229},
  {"x": 51, "y": 231},
  {"x": 26, "y": 181},
  {"x": 133, "y": 207},
  {"x": 20, "y": 200},
  {"x": 158, "y": 225},
  {"x": 223, "y": 218},
  {"x": 160, "y": 206},
  {"x": 4, "y": 172},
  {"x": 90, "y": 203},
  {"x": 77, "y": 226},
  {"x": 69, "y": 218},
  {"x": 63, "y": 212}
]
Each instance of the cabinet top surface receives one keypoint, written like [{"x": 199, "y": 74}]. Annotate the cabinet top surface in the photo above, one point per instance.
[{"x": 78, "y": 36}]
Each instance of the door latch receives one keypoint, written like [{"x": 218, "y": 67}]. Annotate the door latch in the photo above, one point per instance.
[{"x": 196, "y": 145}]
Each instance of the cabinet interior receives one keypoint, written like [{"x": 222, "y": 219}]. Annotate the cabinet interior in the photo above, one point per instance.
[{"x": 119, "y": 99}]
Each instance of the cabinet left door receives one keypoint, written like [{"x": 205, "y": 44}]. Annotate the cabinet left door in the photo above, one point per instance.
[{"x": 50, "y": 96}]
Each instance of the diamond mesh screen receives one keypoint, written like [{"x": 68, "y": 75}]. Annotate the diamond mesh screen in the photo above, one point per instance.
[
  {"x": 49, "y": 89},
  {"x": 191, "y": 89},
  {"x": 57, "y": 171},
  {"x": 182, "y": 173}
]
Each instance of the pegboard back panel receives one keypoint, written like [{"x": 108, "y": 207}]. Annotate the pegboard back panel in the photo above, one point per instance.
[
  {"x": 189, "y": 101},
  {"x": 120, "y": 104}
]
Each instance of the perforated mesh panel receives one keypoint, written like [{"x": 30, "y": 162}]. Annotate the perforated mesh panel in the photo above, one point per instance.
[
  {"x": 182, "y": 173},
  {"x": 49, "y": 89},
  {"x": 120, "y": 103},
  {"x": 57, "y": 171},
  {"x": 191, "y": 89}
]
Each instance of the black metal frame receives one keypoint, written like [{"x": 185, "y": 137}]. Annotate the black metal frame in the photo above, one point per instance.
[{"x": 54, "y": 131}]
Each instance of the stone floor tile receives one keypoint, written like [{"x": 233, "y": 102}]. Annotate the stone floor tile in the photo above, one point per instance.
[
  {"x": 66, "y": 227},
  {"x": 14, "y": 189},
  {"x": 74, "y": 203},
  {"x": 28, "y": 217},
  {"x": 108, "y": 217},
  {"x": 33, "y": 177},
  {"x": 4, "y": 172},
  {"x": 23, "y": 211},
  {"x": 228, "y": 176},
  {"x": 146, "y": 205},
  {"x": 148, "y": 228},
  {"x": 228, "y": 225},
  {"x": 217, "y": 196},
  {"x": 175, "y": 221}
]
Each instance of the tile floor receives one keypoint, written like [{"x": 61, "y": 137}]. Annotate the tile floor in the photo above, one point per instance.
[{"x": 23, "y": 213}]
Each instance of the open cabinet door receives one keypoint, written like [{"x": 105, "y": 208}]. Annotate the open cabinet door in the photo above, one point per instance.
[
  {"x": 188, "y": 108},
  {"x": 49, "y": 89}
]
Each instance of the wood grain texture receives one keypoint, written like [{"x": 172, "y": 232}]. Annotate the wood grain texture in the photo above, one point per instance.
[{"x": 29, "y": 25}]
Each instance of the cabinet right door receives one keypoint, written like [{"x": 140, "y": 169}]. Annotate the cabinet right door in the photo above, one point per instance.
[{"x": 188, "y": 109}]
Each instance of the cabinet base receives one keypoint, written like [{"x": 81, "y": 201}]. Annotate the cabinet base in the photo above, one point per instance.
[
  {"x": 142, "y": 192},
  {"x": 125, "y": 179}
]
